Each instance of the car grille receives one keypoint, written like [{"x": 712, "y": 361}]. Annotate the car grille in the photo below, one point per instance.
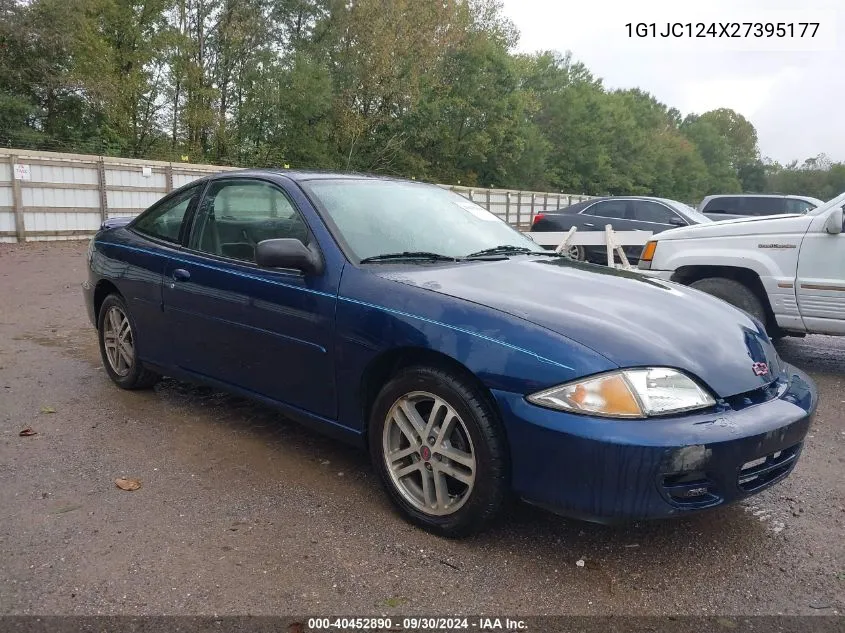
[
  {"x": 766, "y": 470},
  {"x": 755, "y": 396}
]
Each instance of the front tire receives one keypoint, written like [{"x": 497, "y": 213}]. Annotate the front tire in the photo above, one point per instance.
[
  {"x": 439, "y": 450},
  {"x": 734, "y": 292},
  {"x": 117, "y": 335}
]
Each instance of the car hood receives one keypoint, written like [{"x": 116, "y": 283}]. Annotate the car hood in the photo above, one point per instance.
[
  {"x": 767, "y": 225},
  {"x": 632, "y": 320}
]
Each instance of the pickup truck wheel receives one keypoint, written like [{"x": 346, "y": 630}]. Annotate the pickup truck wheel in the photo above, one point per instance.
[{"x": 734, "y": 292}]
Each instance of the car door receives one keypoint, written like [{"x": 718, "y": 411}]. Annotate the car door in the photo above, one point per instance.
[
  {"x": 267, "y": 331},
  {"x": 820, "y": 280},
  {"x": 616, "y": 212}
]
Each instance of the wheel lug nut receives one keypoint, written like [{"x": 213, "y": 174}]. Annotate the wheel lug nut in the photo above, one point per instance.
[
  {"x": 427, "y": 466},
  {"x": 431, "y": 440}
]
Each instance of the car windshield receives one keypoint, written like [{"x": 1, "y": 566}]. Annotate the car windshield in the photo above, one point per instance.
[
  {"x": 384, "y": 217},
  {"x": 692, "y": 214}
]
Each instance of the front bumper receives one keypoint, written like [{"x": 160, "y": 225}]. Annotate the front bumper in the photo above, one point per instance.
[{"x": 615, "y": 470}]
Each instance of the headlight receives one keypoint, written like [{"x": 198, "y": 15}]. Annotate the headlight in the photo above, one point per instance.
[{"x": 628, "y": 393}]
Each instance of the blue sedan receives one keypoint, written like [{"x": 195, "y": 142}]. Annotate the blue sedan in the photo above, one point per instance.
[{"x": 470, "y": 363}]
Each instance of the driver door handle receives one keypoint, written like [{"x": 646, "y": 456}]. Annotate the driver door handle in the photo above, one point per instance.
[
  {"x": 180, "y": 274},
  {"x": 590, "y": 224}
]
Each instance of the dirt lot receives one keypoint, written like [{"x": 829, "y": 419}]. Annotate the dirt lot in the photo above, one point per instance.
[{"x": 243, "y": 512}]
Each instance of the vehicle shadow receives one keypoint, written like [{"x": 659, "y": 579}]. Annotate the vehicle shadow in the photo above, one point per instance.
[
  {"x": 652, "y": 555},
  {"x": 815, "y": 353}
]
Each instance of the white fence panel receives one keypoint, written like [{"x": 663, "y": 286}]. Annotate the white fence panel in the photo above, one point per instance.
[
  {"x": 131, "y": 202},
  {"x": 134, "y": 177},
  {"x": 71, "y": 174},
  {"x": 85, "y": 189},
  {"x": 48, "y": 197}
]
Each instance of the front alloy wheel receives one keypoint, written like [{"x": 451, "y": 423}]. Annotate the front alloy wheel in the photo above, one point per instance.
[
  {"x": 439, "y": 449},
  {"x": 429, "y": 454}
]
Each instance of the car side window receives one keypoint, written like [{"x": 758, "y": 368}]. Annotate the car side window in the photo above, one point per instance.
[
  {"x": 761, "y": 206},
  {"x": 164, "y": 220},
  {"x": 608, "y": 209},
  {"x": 723, "y": 204},
  {"x": 646, "y": 211},
  {"x": 235, "y": 215},
  {"x": 798, "y": 206}
]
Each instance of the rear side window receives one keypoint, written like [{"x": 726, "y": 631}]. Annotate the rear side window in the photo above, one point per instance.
[
  {"x": 763, "y": 206},
  {"x": 164, "y": 220},
  {"x": 746, "y": 205},
  {"x": 608, "y": 209}
]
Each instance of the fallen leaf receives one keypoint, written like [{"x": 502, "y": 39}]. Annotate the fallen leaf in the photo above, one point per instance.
[
  {"x": 127, "y": 483},
  {"x": 27, "y": 432},
  {"x": 47, "y": 410},
  {"x": 394, "y": 602},
  {"x": 295, "y": 627}
]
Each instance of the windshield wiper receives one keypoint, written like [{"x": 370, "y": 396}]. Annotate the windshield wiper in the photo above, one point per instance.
[
  {"x": 508, "y": 249},
  {"x": 410, "y": 255}
]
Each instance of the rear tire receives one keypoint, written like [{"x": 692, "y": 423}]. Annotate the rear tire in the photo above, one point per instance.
[
  {"x": 734, "y": 292},
  {"x": 118, "y": 339},
  {"x": 439, "y": 450}
]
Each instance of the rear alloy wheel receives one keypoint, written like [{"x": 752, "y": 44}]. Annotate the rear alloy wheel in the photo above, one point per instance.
[
  {"x": 734, "y": 292},
  {"x": 439, "y": 451},
  {"x": 118, "y": 346}
]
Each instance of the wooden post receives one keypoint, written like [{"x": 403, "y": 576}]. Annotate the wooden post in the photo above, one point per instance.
[
  {"x": 168, "y": 177},
  {"x": 545, "y": 201},
  {"x": 533, "y": 197},
  {"x": 470, "y": 195},
  {"x": 518, "y": 208},
  {"x": 17, "y": 202},
  {"x": 101, "y": 185},
  {"x": 563, "y": 247},
  {"x": 558, "y": 202},
  {"x": 508, "y": 207},
  {"x": 488, "y": 199},
  {"x": 608, "y": 241}
]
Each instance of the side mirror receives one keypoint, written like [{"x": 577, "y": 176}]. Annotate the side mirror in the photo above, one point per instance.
[
  {"x": 676, "y": 221},
  {"x": 833, "y": 223},
  {"x": 288, "y": 253}
]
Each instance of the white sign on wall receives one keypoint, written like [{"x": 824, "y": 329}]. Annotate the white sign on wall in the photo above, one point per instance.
[
  {"x": 22, "y": 172},
  {"x": 146, "y": 172}
]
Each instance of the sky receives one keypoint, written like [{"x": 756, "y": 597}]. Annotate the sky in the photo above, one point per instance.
[{"x": 791, "y": 89}]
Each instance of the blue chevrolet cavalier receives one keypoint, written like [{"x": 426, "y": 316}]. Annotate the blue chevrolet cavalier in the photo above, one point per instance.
[{"x": 471, "y": 363}]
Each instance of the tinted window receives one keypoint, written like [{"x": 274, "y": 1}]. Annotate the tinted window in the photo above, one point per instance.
[
  {"x": 235, "y": 215},
  {"x": 646, "y": 211},
  {"x": 164, "y": 220},
  {"x": 798, "y": 206},
  {"x": 746, "y": 205},
  {"x": 608, "y": 209},
  {"x": 763, "y": 206},
  {"x": 723, "y": 204}
]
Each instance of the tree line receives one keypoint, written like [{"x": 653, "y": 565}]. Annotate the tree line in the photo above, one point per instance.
[{"x": 430, "y": 89}]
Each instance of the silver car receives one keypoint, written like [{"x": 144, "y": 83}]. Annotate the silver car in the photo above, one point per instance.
[{"x": 740, "y": 205}]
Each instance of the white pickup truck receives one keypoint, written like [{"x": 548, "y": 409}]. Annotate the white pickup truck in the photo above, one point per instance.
[{"x": 787, "y": 270}]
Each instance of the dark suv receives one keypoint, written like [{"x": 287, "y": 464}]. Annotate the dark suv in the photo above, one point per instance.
[{"x": 740, "y": 205}]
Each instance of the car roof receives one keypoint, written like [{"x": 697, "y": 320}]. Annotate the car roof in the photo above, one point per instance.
[{"x": 303, "y": 175}]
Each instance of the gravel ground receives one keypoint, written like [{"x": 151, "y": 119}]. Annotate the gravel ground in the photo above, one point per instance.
[{"x": 241, "y": 511}]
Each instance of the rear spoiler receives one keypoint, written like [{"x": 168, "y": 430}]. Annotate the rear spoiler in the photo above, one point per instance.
[{"x": 113, "y": 223}]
